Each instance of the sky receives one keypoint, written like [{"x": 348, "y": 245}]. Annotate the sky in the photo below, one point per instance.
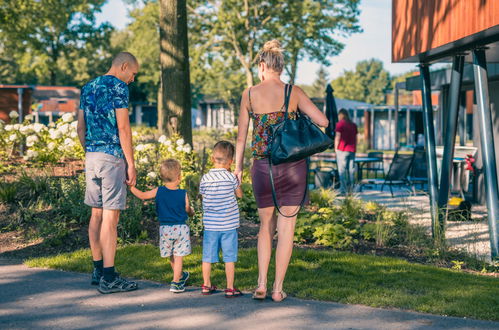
[{"x": 373, "y": 42}]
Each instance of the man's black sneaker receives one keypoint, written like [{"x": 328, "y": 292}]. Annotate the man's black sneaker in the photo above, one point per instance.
[
  {"x": 185, "y": 277},
  {"x": 119, "y": 284},
  {"x": 96, "y": 275}
]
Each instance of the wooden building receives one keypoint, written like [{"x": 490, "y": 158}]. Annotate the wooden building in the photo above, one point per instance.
[{"x": 466, "y": 34}]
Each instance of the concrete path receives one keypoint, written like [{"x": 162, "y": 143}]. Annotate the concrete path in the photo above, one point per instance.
[{"x": 48, "y": 299}]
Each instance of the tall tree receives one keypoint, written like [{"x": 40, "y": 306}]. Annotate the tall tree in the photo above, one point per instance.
[
  {"x": 320, "y": 83},
  {"x": 307, "y": 28},
  {"x": 174, "y": 59},
  {"x": 368, "y": 83},
  {"x": 49, "y": 36}
]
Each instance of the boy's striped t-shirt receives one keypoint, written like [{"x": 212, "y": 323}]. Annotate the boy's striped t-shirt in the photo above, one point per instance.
[{"x": 220, "y": 210}]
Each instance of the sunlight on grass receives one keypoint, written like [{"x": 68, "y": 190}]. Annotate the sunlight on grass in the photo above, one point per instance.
[{"x": 322, "y": 275}]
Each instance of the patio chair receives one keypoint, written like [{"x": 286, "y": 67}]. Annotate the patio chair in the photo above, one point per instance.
[
  {"x": 419, "y": 169},
  {"x": 375, "y": 167},
  {"x": 397, "y": 173}
]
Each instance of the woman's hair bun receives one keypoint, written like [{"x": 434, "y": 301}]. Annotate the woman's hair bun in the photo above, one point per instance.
[{"x": 272, "y": 46}]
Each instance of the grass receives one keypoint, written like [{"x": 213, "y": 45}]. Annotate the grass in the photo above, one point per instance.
[{"x": 323, "y": 275}]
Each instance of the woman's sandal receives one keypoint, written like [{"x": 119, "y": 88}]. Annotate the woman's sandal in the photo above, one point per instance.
[
  {"x": 260, "y": 294},
  {"x": 207, "y": 290},
  {"x": 232, "y": 293},
  {"x": 283, "y": 296}
]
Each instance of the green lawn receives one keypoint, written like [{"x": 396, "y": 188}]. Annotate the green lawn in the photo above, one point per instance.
[{"x": 324, "y": 275}]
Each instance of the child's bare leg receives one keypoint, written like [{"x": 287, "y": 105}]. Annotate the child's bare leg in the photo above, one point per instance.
[
  {"x": 176, "y": 263},
  {"x": 229, "y": 274},
  {"x": 207, "y": 274}
]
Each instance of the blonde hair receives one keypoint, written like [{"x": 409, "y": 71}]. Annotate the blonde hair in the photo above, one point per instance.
[
  {"x": 170, "y": 170},
  {"x": 223, "y": 152},
  {"x": 272, "y": 55}
]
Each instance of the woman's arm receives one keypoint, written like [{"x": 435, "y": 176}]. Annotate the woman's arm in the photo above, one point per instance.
[
  {"x": 144, "y": 194},
  {"x": 308, "y": 107},
  {"x": 242, "y": 133},
  {"x": 188, "y": 207}
]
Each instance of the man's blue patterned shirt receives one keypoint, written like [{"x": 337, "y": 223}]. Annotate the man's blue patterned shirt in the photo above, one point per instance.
[{"x": 99, "y": 99}]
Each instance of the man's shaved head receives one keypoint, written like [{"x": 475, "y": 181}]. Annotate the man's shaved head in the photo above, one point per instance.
[{"x": 124, "y": 57}]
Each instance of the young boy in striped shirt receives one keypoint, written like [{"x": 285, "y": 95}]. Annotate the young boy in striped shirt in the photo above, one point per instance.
[{"x": 219, "y": 188}]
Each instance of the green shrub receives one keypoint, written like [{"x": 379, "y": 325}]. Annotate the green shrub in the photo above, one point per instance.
[
  {"x": 335, "y": 235},
  {"x": 8, "y": 192}
]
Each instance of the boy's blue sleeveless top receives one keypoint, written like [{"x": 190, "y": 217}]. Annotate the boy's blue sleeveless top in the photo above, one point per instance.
[{"x": 170, "y": 206}]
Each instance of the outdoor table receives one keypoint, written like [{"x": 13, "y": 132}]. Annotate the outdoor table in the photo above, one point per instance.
[{"x": 360, "y": 161}]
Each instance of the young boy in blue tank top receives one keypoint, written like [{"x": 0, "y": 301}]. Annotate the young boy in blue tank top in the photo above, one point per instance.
[
  {"x": 219, "y": 188},
  {"x": 173, "y": 209}
]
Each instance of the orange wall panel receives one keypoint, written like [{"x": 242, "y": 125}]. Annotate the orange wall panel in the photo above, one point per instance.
[{"x": 421, "y": 25}]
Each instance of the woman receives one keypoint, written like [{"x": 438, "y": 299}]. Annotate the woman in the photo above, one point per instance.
[
  {"x": 264, "y": 104},
  {"x": 345, "y": 144}
]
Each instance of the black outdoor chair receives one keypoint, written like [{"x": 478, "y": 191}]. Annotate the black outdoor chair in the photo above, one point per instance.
[
  {"x": 375, "y": 167},
  {"x": 397, "y": 173},
  {"x": 326, "y": 178},
  {"x": 419, "y": 169}
]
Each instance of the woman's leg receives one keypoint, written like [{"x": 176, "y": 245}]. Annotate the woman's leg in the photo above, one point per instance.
[
  {"x": 341, "y": 163},
  {"x": 350, "y": 170},
  {"x": 285, "y": 234},
  {"x": 268, "y": 222}
]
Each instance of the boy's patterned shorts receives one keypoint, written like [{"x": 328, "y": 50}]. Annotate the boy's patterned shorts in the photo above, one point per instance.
[{"x": 174, "y": 240}]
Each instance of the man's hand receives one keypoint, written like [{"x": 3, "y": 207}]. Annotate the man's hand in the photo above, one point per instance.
[{"x": 131, "y": 176}]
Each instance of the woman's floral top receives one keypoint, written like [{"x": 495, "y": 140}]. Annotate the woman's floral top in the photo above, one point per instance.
[{"x": 262, "y": 123}]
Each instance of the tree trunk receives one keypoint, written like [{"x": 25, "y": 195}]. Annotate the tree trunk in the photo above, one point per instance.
[
  {"x": 249, "y": 78},
  {"x": 294, "y": 68},
  {"x": 174, "y": 59}
]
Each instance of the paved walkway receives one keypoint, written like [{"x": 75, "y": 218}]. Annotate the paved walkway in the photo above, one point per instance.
[{"x": 48, "y": 299}]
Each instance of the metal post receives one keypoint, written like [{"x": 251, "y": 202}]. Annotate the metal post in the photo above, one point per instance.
[
  {"x": 372, "y": 129},
  {"x": 462, "y": 120},
  {"x": 487, "y": 143},
  {"x": 431, "y": 156},
  {"x": 408, "y": 126},
  {"x": 389, "y": 128},
  {"x": 450, "y": 135},
  {"x": 20, "y": 104},
  {"x": 138, "y": 114},
  {"x": 396, "y": 116}
]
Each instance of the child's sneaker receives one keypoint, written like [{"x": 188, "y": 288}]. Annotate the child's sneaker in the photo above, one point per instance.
[
  {"x": 177, "y": 287},
  {"x": 184, "y": 278}
]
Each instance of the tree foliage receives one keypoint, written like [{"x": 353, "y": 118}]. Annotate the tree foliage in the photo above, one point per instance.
[
  {"x": 52, "y": 41},
  {"x": 368, "y": 83}
]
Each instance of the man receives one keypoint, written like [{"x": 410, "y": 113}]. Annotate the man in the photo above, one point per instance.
[{"x": 105, "y": 134}]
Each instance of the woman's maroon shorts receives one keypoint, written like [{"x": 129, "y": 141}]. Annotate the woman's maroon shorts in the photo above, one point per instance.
[{"x": 289, "y": 181}]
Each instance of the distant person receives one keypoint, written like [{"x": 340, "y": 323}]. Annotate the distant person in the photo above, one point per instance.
[
  {"x": 264, "y": 104},
  {"x": 173, "y": 209},
  {"x": 105, "y": 134},
  {"x": 345, "y": 144},
  {"x": 219, "y": 189}
]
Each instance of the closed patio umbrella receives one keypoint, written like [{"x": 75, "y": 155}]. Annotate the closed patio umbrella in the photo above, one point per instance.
[{"x": 331, "y": 111}]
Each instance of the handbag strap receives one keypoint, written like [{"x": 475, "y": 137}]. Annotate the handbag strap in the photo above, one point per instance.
[
  {"x": 274, "y": 196},
  {"x": 287, "y": 97}
]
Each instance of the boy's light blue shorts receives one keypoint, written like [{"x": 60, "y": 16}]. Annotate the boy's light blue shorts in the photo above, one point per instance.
[{"x": 214, "y": 240}]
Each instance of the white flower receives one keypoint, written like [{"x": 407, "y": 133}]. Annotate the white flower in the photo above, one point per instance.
[
  {"x": 69, "y": 142},
  {"x": 73, "y": 134},
  {"x": 64, "y": 129},
  {"x": 30, "y": 154},
  {"x": 12, "y": 137},
  {"x": 52, "y": 124},
  {"x": 67, "y": 117},
  {"x": 134, "y": 133},
  {"x": 25, "y": 129},
  {"x": 168, "y": 143},
  {"x": 180, "y": 141},
  {"x": 9, "y": 128},
  {"x": 162, "y": 139},
  {"x": 143, "y": 160},
  {"x": 37, "y": 127},
  {"x": 170, "y": 149},
  {"x": 140, "y": 147},
  {"x": 55, "y": 133},
  {"x": 31, "y": 140},
  {"x": 74, "y": 124},
  {"x": 152, "y": 175},
  {"x": 13, "y": 114},
  {"x": 29, "y": 117},
  {"x": 187, "y": 148},
  {"x": 17, "y": 127},
  {"x": 180, "y": 148},
  {"x": 51, "y": 146}
]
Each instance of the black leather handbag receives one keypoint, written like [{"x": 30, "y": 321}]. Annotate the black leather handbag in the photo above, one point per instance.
[{"x": 294, "y": 140}]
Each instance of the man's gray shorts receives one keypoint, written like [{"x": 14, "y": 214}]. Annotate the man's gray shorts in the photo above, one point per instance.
[{"x": 105, "y": 177}]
